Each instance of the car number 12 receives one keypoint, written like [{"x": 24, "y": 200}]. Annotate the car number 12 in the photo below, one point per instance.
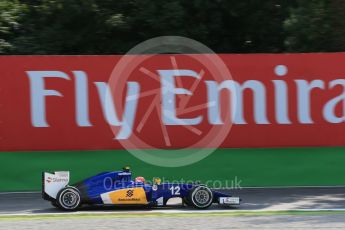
[{"x": 175, "y": 190}]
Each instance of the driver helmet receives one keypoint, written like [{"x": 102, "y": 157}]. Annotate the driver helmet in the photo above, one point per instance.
[{"x": 139, "y": 179}]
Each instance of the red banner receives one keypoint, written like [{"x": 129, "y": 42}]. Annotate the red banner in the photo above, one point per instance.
[{"x": 171, "y": 101}]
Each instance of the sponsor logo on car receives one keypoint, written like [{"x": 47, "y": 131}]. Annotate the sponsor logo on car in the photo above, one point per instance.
[
  {"x": 129, "y": 199},
  {"x": 57, "y": 180},
  {"x": 130, "y": 193}
]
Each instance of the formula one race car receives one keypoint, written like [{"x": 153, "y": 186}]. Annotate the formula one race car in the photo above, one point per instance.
[{"x": 118, "y": 188}]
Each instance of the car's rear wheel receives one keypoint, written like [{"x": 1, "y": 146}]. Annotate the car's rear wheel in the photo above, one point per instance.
[
  {"x": 68, "y": 199},
  {"x": 201, "y": 197}
]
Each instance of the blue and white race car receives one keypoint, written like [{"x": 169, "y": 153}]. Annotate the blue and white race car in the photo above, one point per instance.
[{"x": 118, "y": 188}]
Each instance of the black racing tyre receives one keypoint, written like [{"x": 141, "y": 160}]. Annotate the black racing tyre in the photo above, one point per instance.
[
  {"x": 201, "y": 197},
  {"x": 54, "y": 204},
  {"x": 186, "y": 201},
  {"x": 68, "y": 199}
]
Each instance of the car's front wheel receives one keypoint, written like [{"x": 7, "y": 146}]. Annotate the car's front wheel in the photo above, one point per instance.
[
  {"x": 186, "y": 201},
  {"x": 54, "y": 204},
  {"x": 201, "y": 197},
  {"x": 68, "y": 199}
]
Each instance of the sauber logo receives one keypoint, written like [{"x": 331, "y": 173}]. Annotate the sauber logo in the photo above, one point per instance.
[{"x": 57, "y": 180}]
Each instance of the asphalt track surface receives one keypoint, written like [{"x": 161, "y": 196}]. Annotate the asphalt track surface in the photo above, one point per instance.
[
  {"x": 263, "y": 199},
  {"x": 255, "y": 200}
]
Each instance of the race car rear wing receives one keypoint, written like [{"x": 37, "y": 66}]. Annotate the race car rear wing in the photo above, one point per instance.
[{"x": 52, "y": 183}]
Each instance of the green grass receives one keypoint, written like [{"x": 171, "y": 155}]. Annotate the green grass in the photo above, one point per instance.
[{"x": 21, "y": 171}]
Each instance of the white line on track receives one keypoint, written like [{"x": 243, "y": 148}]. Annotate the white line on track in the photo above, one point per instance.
[{"x": 8, "y": 193}]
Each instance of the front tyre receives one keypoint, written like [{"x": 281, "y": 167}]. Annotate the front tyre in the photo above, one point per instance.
[
  {"x": 54, "y": 204},
  {"x": 201, "y": 197},
  {"x": 186, "y": 202},
  {"x": 68, "y": 199}
]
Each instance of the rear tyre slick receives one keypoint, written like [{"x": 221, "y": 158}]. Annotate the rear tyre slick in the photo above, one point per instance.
[
  {"x": 68, "y": 199},
  {"x": 201, "y": 197}
]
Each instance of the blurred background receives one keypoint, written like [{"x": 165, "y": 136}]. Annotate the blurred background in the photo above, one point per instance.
[
  {"x": 226, "y": 26},
  {"x": 100, "y": 27}
]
